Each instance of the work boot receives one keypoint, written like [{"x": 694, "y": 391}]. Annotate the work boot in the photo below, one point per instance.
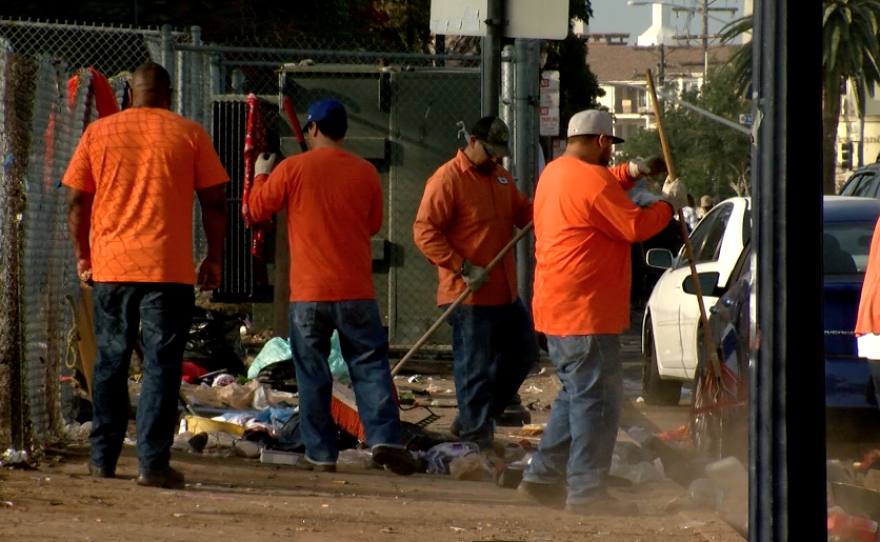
[
  {"x": 101, "y": 472},
  {"x": 607, "y": 506},
  {"x": 397, "y": 460},
  {"x": 168, "y": 478},
  {"x": 305, "y": 464},
  {"x": 551, "y": 495}
]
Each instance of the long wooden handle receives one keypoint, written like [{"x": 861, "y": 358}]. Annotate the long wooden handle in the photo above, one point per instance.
[
  {"x": 684, "y": 233},
  {"x": 522, "y": 233}
]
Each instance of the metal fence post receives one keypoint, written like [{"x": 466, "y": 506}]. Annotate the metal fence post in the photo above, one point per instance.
[
  {"x": 526, "y": 100},
  {"x": 508, "y": 80},
  {"x": 491, "y": 65},
  {"x": 787, "y": 441},
  {"x": 180, "y": 104},
  {"x": 167, "y": 47},
  {"x": 195, "y": 76}
]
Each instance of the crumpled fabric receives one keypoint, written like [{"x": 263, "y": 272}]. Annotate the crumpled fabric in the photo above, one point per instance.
[
  {"x": 255, "y": 143},
  {"x": 440, "y": 456},
  {"x": 641, "y": 196}
]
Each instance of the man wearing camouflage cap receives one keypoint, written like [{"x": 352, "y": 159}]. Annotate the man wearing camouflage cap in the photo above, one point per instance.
[{"x": 467, "y": 215}]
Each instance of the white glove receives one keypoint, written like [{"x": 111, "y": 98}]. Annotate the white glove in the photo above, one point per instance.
[
  {"x": 675, "y": 193},
  {"x": 473, "y": 276},
  {"x": 639, "y": 167},
  {"x": 265, "y": 163}
]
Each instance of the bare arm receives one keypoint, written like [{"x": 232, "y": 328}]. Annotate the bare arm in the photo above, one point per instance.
[
  {"x": 79, "y": 223},
  {"x": 214, "y": 217}
]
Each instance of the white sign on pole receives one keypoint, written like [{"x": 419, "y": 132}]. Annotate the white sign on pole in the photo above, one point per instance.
[
  {"x": 528, "y": 19},
  {"x": 549, "y": 106}
]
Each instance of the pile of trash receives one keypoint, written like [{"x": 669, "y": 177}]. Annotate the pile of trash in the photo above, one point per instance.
[{"x": 853, "y": 509}]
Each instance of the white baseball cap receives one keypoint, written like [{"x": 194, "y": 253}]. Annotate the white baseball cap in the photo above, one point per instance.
[{"x": 592, "y": 122}]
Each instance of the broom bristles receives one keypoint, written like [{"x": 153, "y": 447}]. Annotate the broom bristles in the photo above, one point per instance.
[{"x": 343, "y": 409}]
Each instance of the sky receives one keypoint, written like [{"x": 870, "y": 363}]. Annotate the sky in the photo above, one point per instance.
[{"x": 618, "y": 16}]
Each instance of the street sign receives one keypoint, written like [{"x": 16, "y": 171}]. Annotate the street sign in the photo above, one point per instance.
[
  {"x": 745, "y": 119},
  {"x": 548, "y": 109},
  {"x": 529, "y": 19}
]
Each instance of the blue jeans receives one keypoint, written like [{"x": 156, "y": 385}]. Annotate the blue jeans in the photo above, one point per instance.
[
  {"x": 364, "y": 347},
  {"x": 493, "y": 350},
  {"x": 164, "y": 311},
  {"x": 579, "y": 439}
]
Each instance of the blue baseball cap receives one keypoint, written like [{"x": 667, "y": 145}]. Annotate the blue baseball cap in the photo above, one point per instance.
[{"x": 325, "y": 109}]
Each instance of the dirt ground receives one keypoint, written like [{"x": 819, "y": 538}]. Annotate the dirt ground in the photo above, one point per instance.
[{"x": 232, "y": 498}]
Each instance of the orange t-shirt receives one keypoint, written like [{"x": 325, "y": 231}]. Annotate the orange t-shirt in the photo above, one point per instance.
[
  {"x": 143, "y": 165},
  {"x": 868, "y": 320},
  {"x": 584, "y": 228},
  {"x": 465, "y": 214},
  {"x": 334, "y": 206}
]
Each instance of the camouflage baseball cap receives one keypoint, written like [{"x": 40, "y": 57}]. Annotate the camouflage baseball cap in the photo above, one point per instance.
[{"x": 494, "y": 135}]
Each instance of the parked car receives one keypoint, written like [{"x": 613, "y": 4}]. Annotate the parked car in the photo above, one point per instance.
[
  {"x": 863, "y": 183},
  {"x": 672, "y": 317},
  {"x": 848, "y": 226}
]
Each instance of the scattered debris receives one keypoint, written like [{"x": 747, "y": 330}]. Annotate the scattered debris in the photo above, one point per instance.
[{"x": 533, "y": 429}]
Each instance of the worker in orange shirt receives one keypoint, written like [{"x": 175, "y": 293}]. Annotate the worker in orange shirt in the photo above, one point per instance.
[
  {"x": 334, "y": 206},
  {"x": 584, "y": 227},
  {"x": 867, "y": 329},
  {"x": 130, "y": 201},
  {"x": 467, "y": 214}
]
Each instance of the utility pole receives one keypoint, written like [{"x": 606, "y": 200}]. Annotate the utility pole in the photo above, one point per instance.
[
  {"x": 705, "y": 8},
  {"x": 705, "y": 37}
]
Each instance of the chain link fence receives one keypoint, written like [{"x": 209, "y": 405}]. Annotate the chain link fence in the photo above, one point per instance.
[{"x": 409, "y": 113}]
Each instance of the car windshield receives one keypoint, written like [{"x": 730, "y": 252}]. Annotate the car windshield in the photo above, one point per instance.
[{"x": 846, "y": 246}]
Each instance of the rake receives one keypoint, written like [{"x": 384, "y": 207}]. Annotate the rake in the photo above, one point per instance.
[{"x": 717, "y": 386}]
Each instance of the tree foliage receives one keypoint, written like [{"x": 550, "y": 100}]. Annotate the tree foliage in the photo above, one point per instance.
[{"x": 710, "y": 158}]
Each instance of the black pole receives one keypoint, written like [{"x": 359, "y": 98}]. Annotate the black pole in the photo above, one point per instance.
[
  {"x": 491, "y": 64},
  {"x": 787, "y": 408}
]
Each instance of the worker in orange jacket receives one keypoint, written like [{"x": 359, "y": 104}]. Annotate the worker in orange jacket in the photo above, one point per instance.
[
  {"x": 467, "y": 214},
  {"x": 867, "y": 330},
  {"x": 585, "y": 225}
]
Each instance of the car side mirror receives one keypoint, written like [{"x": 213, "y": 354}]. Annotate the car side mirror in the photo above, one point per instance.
[
  {"x": 660, "y": 258},
  {"x": 708, "y": 284}
]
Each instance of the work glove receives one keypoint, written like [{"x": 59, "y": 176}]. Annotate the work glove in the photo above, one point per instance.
[
  {"x": 473, "y": 276},
  {"x": 265, "y": 163},
  {"x": 653, "y": 165},
  {"x": 675, "y": 193}
]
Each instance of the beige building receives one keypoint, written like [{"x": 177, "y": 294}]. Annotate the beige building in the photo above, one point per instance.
[
  {"x": 853, "y": 133},
  {"x": 617, "y": 64}
]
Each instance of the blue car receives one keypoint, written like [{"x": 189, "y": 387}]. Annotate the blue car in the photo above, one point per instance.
[{"x": 848, "y": 226}]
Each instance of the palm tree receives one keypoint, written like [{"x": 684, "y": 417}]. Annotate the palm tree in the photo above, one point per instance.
[{"x": 850, "y": 55}]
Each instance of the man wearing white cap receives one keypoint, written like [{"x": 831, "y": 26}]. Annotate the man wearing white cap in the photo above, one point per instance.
[{"x": 584, "y": 227}]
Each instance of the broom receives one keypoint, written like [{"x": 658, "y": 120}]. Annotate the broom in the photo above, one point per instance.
[
  {"x": 343, "y": 407},
  {"x": 718, "y": 386}
]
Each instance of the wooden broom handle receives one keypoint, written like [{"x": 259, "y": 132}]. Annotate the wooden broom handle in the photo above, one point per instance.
[
  {"x": 684, "y": 233},
  {"x": 522, "y": 233}
]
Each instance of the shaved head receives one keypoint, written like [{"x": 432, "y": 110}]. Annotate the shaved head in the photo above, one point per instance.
[{"x": 151, "y": 86}]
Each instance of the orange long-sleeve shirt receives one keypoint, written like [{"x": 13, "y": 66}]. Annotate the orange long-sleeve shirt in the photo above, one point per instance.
[
  {"x": 584, "y": 228},
  {"x": 465, "y": 214},
  {"x": 334, "y": 206}
]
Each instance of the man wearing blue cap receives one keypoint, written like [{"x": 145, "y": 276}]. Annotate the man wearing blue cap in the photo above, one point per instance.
[{"x": 334, "y": 206}]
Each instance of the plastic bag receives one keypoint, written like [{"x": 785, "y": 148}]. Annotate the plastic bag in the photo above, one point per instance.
[
  {"x": 214, "y": 342},
  {"x": 278, "y": 350},
  {"x": 275, "y": 350},
  {"x": 338, "y": 368}
]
